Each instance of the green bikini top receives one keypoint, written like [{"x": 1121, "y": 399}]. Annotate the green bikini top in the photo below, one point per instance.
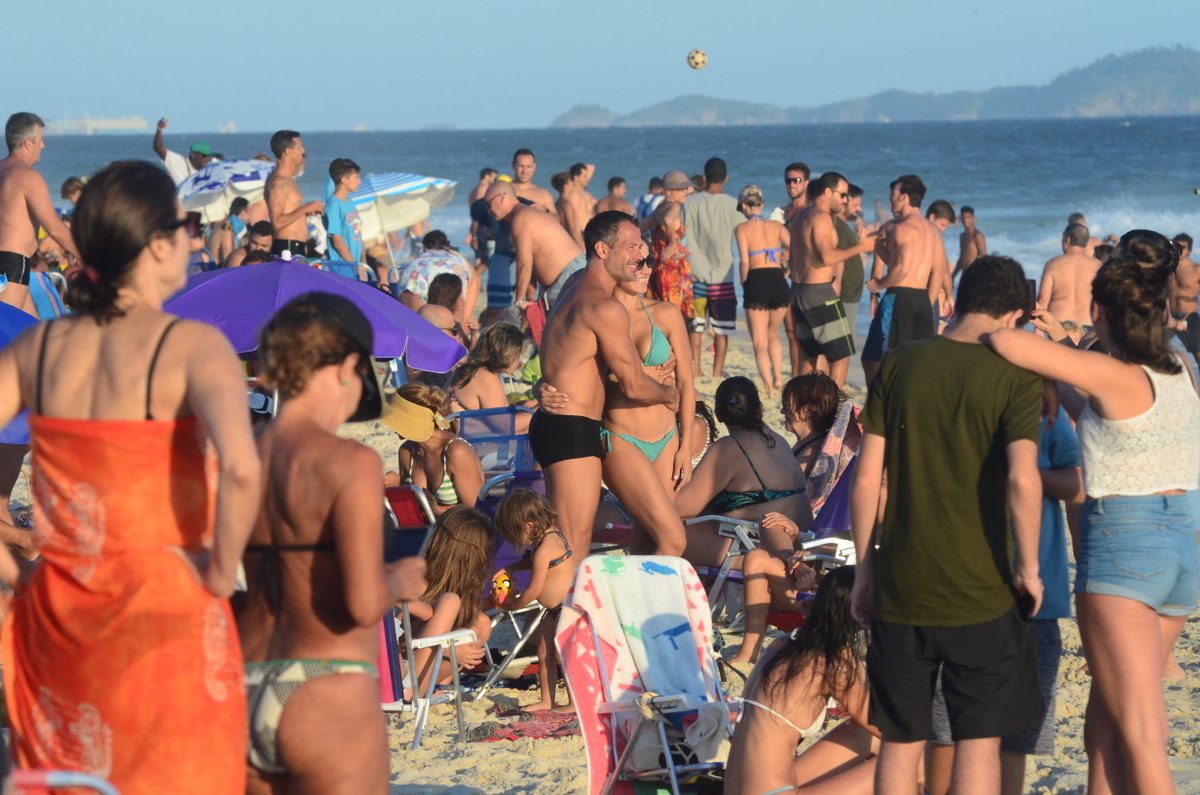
[{"x": 660, "y": 347}]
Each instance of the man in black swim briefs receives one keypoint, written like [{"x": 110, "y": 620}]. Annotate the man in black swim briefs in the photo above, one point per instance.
[
  {"x": 25, "y": 205},
  {"x": 587, "y": 335},
  {"x": 285, "y": 203}
]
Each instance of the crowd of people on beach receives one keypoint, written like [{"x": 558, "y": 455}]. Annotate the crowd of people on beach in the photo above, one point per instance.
[{"x": 194, "y": 560}]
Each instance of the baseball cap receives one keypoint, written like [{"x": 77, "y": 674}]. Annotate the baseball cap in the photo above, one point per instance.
[
  {"x": 676, "y": 180},
  {"x": 201, "y": 148},
  {"x": 341, "y": 312},
  {"x": 411, "y": 420}
]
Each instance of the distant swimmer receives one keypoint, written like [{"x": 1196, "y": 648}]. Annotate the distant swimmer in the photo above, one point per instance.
[
  {"x": 908, "y": 247},
  {"x": 615, "y": 200},
  {"x": 25, "y": 205},
  {"x": 285, "y": 203},
  {"x": 524, "y": 166},
  {"x": 1066, "y": 289},
  {"x": 588, "y": 336},
  {"x": 972, "y": 243},
  {"x": 1184, "y": 289},
  {"x": 817, "y": 266},
  {"x": 545, "y": 253}
]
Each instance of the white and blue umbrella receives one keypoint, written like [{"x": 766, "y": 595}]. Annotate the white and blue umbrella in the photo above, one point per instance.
[
  {"x": 213, "y": 188},
  {"x": 394, "y": 201}
]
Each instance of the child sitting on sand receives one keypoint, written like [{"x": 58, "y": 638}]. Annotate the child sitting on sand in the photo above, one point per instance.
[
  {"x": 458, "y": 565},
  {"x": 524, "y": 519},
  {"x": 786, "y": 702}
]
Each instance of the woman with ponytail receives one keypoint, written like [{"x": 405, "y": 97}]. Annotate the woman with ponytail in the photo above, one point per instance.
[
  {"x": 120, "y": 642},
  {"x": 1139, "y": 433}
]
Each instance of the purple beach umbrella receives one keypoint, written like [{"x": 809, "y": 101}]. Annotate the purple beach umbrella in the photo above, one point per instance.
[{"x": 240, "y": 301}]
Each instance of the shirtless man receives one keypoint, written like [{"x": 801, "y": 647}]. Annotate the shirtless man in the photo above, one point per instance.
[
  {"x": 25, "y": 205},
  {"x": 909, "y": 247},
  {"x": 1066, "y": 289},
  {"x": 795, "y": 182},
  {"x": 259, "y": 238},
  {"x": 285, "y": 203},
  {"x": 816, "y": 270},
  {"x": 581, "y": 176},
  {"x": 545, "y": 252},
  {"x": 524, "y": 166},
  {"x": 1079, "y": 218},
  {"x": 587, "y": 335},
  {"x": 941, "y": 280},
  {"x": 569, "y": 215},
  {"x": 1184, "y": 288},
  {"x": 972, "y": 244},
  {"x": 615, "y": 200}
]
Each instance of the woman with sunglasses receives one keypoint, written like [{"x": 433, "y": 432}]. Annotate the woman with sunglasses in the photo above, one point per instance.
[
  {"x": 1136, "y": 580},
  {"x": 120, "y": 640}
]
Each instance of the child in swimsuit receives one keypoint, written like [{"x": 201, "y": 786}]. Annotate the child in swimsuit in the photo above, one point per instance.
[
  {"x": 458, "y": 568},
  {"x": 525, "y": 519}
]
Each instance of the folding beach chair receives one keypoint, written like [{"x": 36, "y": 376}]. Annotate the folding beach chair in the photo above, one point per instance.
[
  {"x": 34, "y": 782},
  {"x": 635, "y": 639},
  {"x": 414, "y": 522},
  {"x": 493, "y": 434}
]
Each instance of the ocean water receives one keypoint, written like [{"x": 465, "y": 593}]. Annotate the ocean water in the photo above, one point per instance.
[{"x": 1022, "y": 177}]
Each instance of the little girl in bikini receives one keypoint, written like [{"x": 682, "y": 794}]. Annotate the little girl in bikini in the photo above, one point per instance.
[{"x": 525, "y": 519}]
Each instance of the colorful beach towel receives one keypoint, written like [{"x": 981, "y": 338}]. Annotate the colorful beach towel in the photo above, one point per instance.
[
  {"x": 837, "y": 451},
  {"x": 654, "y": 634}
]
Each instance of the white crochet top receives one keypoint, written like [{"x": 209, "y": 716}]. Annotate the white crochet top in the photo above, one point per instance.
[{"x": 1158, "y": 450}]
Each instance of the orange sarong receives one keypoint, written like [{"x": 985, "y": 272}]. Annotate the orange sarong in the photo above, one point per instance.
[{"x": 117, "y": 662}]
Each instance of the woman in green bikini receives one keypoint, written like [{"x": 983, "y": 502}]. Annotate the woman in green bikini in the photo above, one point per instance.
[{"x": 649, "y": 445}]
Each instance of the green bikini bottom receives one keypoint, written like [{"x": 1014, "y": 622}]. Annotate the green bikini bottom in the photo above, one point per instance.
[{"x": 651, "y": 450}]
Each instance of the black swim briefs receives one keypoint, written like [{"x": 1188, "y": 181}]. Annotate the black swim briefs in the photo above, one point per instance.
[
  {"x": 562, "y": 437},
  {"x": 15, "y": 267},
  {"x": 297, "y": 247}
]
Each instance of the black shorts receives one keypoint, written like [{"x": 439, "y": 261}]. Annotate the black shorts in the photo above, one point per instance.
[
  {"x": 904, "y": 315},
  {"x": 989, "y": 678},
  {"x": 1190, "y": 337},
  {"x": 562, "y": 437},
  {"x": 15, "y": 267},
  {"x": 765, "y": 288},
  {"x": 298, "y": 248}
]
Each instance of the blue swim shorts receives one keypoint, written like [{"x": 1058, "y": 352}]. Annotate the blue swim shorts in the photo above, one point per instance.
[{"x": 1141, "y": 548}]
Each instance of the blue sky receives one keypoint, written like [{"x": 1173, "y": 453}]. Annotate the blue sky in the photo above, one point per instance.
[{"x": 398, "y": 64}]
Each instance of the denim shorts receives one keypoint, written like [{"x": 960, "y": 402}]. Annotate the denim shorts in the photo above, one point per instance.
[{"x": 1141, "y": 548}]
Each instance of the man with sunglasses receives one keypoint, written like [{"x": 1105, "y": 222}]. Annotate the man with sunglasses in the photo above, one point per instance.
[
  {"x": 795, "y": 182},
  {"x": 25, "y": 205},
  {"x": 546, "y": 254},
  {"x": 817, "y": 265},
  {"x": 908, "y": 248}
]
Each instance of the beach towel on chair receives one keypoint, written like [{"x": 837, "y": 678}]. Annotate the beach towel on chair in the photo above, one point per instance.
[
  {"x": 837, "y": 451},
  {"x": 652, "y": 635}
]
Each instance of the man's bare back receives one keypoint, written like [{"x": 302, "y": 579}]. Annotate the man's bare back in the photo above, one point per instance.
[
  {"x": 543, "y": 248},
  {"x": 909, "y": 245},
  {"x": 540, "y": 197},
  {"x": 570, "y": 218},
  {"x": 1066, "y": 289},
  {"x": 611, "y": 202}
]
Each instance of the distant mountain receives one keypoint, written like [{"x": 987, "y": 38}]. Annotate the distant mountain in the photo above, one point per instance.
[{"x": 1154, "y": 82}]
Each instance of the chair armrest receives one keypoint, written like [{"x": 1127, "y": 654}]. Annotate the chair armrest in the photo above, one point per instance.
[{"x": 457, "y": 638}]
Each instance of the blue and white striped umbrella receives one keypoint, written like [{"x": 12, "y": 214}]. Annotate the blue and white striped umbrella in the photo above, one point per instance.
[
  {"x": 213, "y": 188},
  {"x": 394, "y": 201}
]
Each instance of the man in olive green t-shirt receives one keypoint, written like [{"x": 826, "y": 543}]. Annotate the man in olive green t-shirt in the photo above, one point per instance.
[{"x": 956, "y": 427}]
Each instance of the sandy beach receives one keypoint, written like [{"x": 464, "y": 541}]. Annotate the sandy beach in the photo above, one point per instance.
[{"x": 443, "y": 766}]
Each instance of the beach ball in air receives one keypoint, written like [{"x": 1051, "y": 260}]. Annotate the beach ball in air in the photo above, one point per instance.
[{"x": 697, "y": 59}]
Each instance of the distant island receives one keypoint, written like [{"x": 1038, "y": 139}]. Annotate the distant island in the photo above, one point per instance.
[{"x": 1158, "y": 81}]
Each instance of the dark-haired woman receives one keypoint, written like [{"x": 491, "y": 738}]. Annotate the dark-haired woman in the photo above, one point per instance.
[
  {"x": 120, "y": 641},
  {"x": 477, "y": 383},
  {"x": 786, "y": 701},
  {"x": 749, "y": 474},
  {"x": 316, "y": 584},
  {"x": 1139, "y": 434}
]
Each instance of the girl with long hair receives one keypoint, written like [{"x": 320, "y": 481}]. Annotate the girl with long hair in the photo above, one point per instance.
[
  {"x": 477, "y": 383},
  {"x": 1136, "y": 580}
]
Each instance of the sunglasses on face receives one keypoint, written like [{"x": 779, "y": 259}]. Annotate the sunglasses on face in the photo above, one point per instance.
[{"x": 191, "y": 224}]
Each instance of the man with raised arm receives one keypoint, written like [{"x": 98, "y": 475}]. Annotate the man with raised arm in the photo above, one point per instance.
[
  {"x": 587, "y": 336},
  {"x": 909, "y": 247},
  {"x": 25, "y": 205},
  {"x": 816, "y": 271},
  {"x": 545, "y": 252},
  {"x": 285, "y": 203},
  {"x": 1066, "y": 289},
  {"x": 524, "y": 166},
  {"x": 180, "y": 167}
]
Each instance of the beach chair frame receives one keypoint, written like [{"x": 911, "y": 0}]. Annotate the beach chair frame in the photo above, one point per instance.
[
  {"x": 498, "y": 668},
  {"x": 517, "y": 444},
  {"x": 29, "y": 781},
  {"x": 744, "y": 536}
]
